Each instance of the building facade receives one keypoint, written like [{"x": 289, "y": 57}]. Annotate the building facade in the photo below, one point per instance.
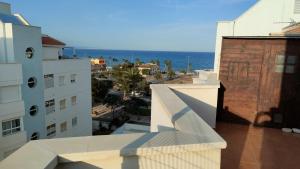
[
  {"x": 28, "y": 60},
  {"x": 257, "y": 61},
  {"x": 263, "y": 18}
]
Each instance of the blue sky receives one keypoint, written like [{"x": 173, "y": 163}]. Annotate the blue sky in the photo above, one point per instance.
[{"x": 172, "y": 25}]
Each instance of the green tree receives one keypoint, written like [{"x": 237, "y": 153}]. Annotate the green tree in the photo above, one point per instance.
[
  {"x": 156, "y": 61},
  {"x": 113, "y": 101},
  {"x": 138, "y": 62},
  {"x": 158, "y": 75},
  {"x": 127, "y": 77},
  {"x": 100, "y": 88},
  {"x": 169, "y": 69}
]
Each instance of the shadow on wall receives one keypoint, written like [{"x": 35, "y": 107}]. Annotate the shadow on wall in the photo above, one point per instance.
[
  {"x": 278, "y": 105},
  {"x": 204, "y": 110},
  {"x": 132, "y": 162},
  {"x": 277, "y": 90}
]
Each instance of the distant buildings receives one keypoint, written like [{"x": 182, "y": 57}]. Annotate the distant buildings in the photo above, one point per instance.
[
  {"x": 98, "y": 64},
  {"x": 148, "y": 69},
  {"x": 180, "y": 133},
  {"x": 41, "y": 94}
]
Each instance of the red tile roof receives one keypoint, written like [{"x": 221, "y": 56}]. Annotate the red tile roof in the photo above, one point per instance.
[{"x": 47, "y": 40}]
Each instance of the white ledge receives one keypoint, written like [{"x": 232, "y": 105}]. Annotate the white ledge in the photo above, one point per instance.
[{"x": 191, "y": 134}]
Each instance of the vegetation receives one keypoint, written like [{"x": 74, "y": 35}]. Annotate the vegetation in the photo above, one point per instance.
[
  {"x": 169, "y": 69},
  {"x": 157, "y": 62},
  {"x": 127, "y": 78},
  {"x": 146, "y": 72},
  {"x": 158, "y": 75},
  {"x": 183, "y": 71},
  {"x": 137, "y": 106},
  {"x": 112, "y": 101},
  {"x": 138, "y": 62},
  {"x": 100, "y": 88}
]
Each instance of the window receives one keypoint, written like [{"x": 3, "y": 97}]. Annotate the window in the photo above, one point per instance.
[
  {"x": 33, "y": 110},
  {"x": 74, "y": 122},
  {"x": 285, "y": 64},
  {"x": 51, "y": 130},
  {"x": 11, "y": 127},
  {"x": 35, "y": 136},
  {"x": 61, "y": 80},
  {"x": 74, "y": 100},
  {"x": 49, "y": 81},
  {"x": 63, "y": 127},
  {"x": 50, "y": 106},
  {"x": 29, "y": 53},
  {"x": 31, "y": 82},
  {"x": 73, "y": 78},
  {"x": 62, "y": 104}
]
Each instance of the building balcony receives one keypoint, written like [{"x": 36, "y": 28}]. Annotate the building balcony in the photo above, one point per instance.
[
  {"x": 10, "y": 74},
  {"x": 13, "y": 141},
  {"x": 179, "y": 137},
  {"x": 11, "y": 110}
]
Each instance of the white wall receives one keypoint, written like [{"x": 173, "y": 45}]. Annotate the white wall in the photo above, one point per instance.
[
  {"x": 202, "y": 100},
  {"x": 24, "y": 37},
  {"x": 265, "y": 17},
  {"x": 11, "y": 106},
  {"x": 6, "y": 43},
  {"x": 50, "y": 53},
  {"x": 10, "y": 74},
  {"x": 81, "y": 89},
  {"x": 10, "y": 94}
]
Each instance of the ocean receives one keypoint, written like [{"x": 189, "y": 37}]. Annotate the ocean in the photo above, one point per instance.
[{"x": 180, "y": 60}]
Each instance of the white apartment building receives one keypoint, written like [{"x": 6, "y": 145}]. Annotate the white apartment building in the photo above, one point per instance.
[
  {"x": 262, "y": 19},
  {"x": 41, "y": 94},
  {"x": 67, "y": 92}
]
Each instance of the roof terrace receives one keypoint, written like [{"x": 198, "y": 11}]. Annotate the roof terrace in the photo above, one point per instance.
[{"x": 179, "y": 138}]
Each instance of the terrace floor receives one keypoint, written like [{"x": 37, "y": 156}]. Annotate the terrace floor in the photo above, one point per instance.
[{"x": 250, "y": 147}]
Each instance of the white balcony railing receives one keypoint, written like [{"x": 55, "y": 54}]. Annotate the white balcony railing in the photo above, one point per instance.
[
  {"x": 179, "y": 138},
  {"x": 10, "y": 74}
]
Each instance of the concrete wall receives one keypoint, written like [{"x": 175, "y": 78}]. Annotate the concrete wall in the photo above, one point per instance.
[
  {"x": 202, "y": 100},
  {"x": 24, "y": 37},
  {"x": 11, "y": 106},
  {"x": 50, "y": 53},
  {"x": 81, "y": 89},
  {"x": 265, "y": 17},
  {"x": 188, "y": 160},
  {"x": 6, "y": 43}
]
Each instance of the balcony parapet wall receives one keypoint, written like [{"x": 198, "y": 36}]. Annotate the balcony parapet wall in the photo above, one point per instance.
[{"x": 189, "y": 142}]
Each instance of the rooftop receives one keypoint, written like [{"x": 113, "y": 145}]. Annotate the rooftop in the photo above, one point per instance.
[
  {"x": 258, "y": 148},
  {"x": 50, "y": 41},
  {"x": 183, "y": 136}
]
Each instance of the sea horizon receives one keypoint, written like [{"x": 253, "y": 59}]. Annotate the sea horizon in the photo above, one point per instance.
[{"x": 180, "y": 59}]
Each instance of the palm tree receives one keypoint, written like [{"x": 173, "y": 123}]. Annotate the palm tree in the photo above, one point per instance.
[
  {"x": 158, "y": 75},
  {"x": 137, "y": 62},
  {"x": 169, "y": 69},
  {"x": 127, "y": 78}
]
